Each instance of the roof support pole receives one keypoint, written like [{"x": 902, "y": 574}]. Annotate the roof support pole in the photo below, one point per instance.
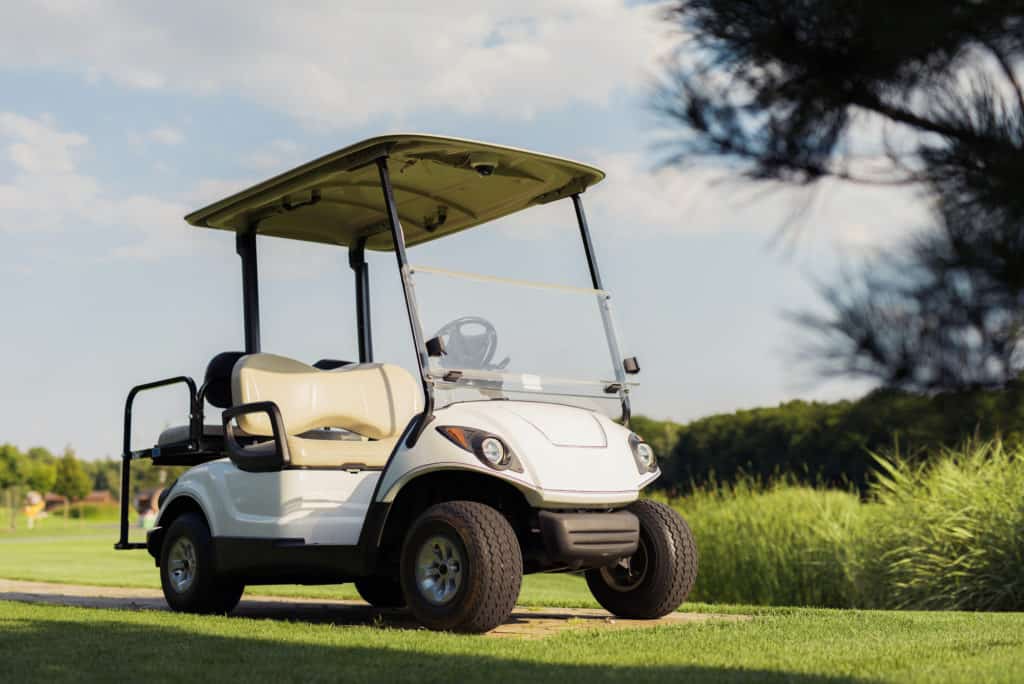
[
  {"x": 245, "y": 245},
  {"x": 398, "y": 238},
  {"x": 588, "y": 246},
  {"x": 357, "y": 260},
  {"x": 606, "y": 314}
]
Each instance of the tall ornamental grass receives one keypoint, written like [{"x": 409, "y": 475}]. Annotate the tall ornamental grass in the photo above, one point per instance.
[
  {"x": 950, "y": 535},
  {"x": 947, "y": 535},
  {"x": 784, "y": 544}
]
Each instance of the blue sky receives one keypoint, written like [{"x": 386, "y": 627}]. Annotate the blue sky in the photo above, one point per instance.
[{"x": 117, "y": 119}]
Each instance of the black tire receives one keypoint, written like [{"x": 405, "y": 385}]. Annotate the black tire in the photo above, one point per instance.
[
  {"x": 480, "y": 590},
  {"x": 204, "y": 592},
  {"x": 381, "y": 592},
  {"x": 661, "y": 573}
]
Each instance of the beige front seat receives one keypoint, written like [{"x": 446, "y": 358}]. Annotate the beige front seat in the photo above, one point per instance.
[{"x": 373, "y": 400}]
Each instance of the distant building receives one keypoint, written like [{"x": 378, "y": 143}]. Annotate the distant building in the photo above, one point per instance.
[
  {"x": 54, "y": 501},
  {"x": 99, "y": 496}
]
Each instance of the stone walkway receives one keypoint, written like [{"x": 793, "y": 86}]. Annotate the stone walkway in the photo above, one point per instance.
[{"x": 524, "y": 623}]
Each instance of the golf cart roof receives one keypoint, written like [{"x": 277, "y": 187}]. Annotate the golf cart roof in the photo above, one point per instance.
[{"x": 441, "y": 186}]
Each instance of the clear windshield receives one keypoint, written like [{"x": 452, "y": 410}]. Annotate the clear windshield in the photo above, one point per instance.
[{"x": 505, "y": 336}]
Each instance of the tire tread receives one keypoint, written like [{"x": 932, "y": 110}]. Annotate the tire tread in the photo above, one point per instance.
[
  {"x": 496, "y": 570},
  {"x": 669, "y": 585}
]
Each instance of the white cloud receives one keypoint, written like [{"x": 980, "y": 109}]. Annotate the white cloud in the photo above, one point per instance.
[
  {"x": 47, "y": 192},
  {"x": 638, "y": 198},
  {"x": 276, "y": 156},
  {"x": 167, "y": 135},
  {"x": 36, "y": 147},
  {"x": 336, "y": 64}
]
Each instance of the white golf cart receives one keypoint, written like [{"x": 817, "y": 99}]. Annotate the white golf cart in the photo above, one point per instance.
[{"x": 435, "y": 492}]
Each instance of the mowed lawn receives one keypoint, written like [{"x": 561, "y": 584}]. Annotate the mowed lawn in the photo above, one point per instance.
[
  {"x": 53, "y": 643},
  {"x": 84, "y": 554}
]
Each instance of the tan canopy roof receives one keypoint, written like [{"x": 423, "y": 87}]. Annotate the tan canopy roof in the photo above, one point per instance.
[{"x": 438, "y": 190}]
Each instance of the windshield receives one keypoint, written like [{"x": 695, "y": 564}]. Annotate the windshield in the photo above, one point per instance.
[{"x": 503, "y": 336}]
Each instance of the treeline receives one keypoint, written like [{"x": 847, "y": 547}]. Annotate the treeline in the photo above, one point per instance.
[
  {"x": 38, "y": 469},
  {"x": 814, "y": 442},
  {"x": 828, "y": 443}
]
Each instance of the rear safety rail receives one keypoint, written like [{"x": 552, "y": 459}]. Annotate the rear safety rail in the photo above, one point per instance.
[{"x": 195, "y": 430}]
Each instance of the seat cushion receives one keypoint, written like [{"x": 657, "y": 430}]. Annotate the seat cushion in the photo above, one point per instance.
[
  {"x": 372, "y": 399},
  {"x": 179, "y": 434}
]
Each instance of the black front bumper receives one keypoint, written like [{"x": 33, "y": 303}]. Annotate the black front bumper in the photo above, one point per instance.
[{"x": 592, "y": 539}]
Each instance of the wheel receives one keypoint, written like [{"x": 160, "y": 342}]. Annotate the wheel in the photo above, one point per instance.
[
  {"x": 187, "y": 573},
  {"x": 381, "y": 592},
  {"x": 655, "y": 580},
  {"x": 461, "y": 567}
]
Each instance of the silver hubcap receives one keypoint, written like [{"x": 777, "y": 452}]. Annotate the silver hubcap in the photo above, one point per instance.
[
  {"x": 439, "y": 570},
  {"x": 628, "y": 573},
  {"x": 181, "y": 564}
]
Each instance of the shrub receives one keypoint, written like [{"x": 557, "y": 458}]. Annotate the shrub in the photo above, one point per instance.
[
  {"x": 947, "y": 534},
  {"x": 828, "y": 442},
  {"x": 89, "y": 511}
]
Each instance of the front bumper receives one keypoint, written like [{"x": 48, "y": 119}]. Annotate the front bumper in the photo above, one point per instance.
[{"x": 589, "y": 538}]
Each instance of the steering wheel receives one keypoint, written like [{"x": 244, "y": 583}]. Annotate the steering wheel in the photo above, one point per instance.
[{"x": 470, "y": 342}]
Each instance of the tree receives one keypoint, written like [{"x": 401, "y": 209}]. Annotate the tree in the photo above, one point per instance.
[
  {"x": 40, "y": 470},
  {"x": 40, "y": 476},
  {"x": 11, "y": 477},
  {"x": 106, "y": 476},
  {"x": 71, "y": 481},
  {"x": 10, "y": 466},
  {"x": 909, "y": 92}
]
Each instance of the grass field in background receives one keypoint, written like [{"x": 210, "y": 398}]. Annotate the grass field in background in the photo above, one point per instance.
[
  {"x": 943, "y": 536},
  {"x": 51, "y": 643},
  {"x": 85, "y": 555},
  {"x": 54, "y": 522}
]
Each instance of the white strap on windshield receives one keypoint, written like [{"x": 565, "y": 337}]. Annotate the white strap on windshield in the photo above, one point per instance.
[{"x": 507, "y": 281}]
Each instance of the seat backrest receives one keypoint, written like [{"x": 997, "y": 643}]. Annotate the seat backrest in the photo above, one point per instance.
[
  {"x": 372, "y": 399},
  {"x": 218, "y": 378}
]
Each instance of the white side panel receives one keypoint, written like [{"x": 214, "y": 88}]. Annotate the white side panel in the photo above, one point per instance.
[{"x": 318, "y": 506}]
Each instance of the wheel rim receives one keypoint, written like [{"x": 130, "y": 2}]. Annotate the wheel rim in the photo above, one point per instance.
[
  {"x": 181, "y": 564},
  {"x": 440, "y": 569},
  {"x": 628, "y": 573}
]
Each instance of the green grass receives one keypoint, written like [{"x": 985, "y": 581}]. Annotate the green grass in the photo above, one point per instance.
[
  {"x": 52, "y": 643},
  {"x": 778, "y": 544},
  {"x": 54, "y": 522},
  {"x": 945, "y": 535},
  {"x": 950, "y": 535},
  {"x": 781, "y": 545},
  {"x": 77, "y": 556}
]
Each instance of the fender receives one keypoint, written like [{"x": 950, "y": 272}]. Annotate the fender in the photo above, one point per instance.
[{"x": 155, "y": 536}]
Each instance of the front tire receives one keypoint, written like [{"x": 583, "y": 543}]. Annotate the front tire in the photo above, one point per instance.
[
  {"x": 187, "y": 573},
  {"x": 659, "y": 576},
  {"x": 381, "y": 592},
  {"x": 461, "y": 567}
]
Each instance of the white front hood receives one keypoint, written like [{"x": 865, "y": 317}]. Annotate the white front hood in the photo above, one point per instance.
[
  {"x": 562, "y": 425},
  {"x": 562, "y": 448}
]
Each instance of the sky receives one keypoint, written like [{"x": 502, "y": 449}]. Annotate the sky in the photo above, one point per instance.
[{"x": 117, "y": 119}]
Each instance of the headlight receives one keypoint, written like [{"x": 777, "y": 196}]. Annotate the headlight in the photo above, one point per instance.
[
  {"x": 643, "y": 454},
  {"x": 488, "y": 448},
  {"x": 493, "y": 451}
]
